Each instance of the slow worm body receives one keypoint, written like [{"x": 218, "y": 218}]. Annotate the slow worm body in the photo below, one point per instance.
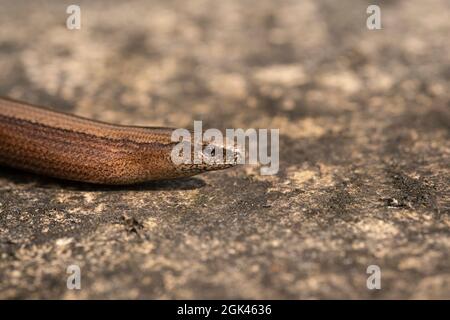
[{"x": 65, "y": 146}]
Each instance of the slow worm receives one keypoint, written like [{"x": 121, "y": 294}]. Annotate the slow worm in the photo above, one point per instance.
[{"x": 70, "y": 147}]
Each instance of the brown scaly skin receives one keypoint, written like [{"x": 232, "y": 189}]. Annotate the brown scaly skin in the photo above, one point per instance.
[{"x": 65, "y": 146}]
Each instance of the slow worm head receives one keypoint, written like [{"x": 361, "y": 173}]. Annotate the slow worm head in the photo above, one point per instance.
[{"x": 65, "y": 146}]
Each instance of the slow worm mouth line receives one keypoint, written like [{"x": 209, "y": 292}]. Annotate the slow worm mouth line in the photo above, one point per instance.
[{"x": 70, "y": 147}]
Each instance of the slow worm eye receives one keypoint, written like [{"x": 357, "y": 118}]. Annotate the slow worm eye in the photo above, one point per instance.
[{"x": 209, "y": 151}]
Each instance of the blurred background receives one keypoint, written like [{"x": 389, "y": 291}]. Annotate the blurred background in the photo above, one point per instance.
[{"x": 364, "y": 149}]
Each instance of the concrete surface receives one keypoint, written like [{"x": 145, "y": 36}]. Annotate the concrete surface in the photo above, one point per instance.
[{"x": 364, "y": 150}]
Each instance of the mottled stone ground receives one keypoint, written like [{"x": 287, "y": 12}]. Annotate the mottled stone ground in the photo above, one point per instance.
[{"x": 364, "y": 123}]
